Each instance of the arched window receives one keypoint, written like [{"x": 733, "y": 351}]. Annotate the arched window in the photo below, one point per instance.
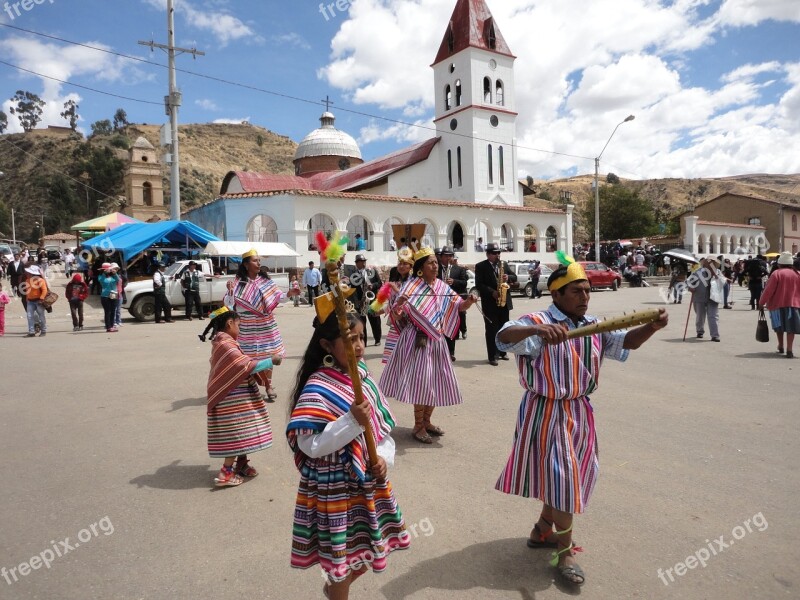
[
  {"x": 487, "y": 90},
  {"x": 262, "y": 228},
  {"x": 458, "y": 92},
  {"x": 491, "y": 166},
  {"x": 551, "y": 239},
  {"x": 491, "y": 35},
  {"x": 531, "y": 239},
  {"x": 507, "y": 237},
  {"x": 448, "y": 97},
  {"x": 458, "y": 160},
  {"x": 500, "y": 93},
  {"x": 450, "y": 169},
  {"x": 388, "y": 233},
  {"x": 451, "y": 39},
  {"x": 358, "y": 225},
  {"x": 147, "y": 193},
  {"x": 455, "y": 235},
  {"x": 320, "y": 222},
  {"x": 794, "y": 222},
  {"x": 501, "y": 166}
]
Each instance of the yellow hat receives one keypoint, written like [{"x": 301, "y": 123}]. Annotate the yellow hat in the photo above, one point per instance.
[
  {"x": 220, "y": 311},
  {"x": 422, "y": 253},
  {"x": 405, "y": 255},
  {"x": 325, "y": 304},
  {"x": 575, "y": 272},
  {"x": 249, "y": 253}
]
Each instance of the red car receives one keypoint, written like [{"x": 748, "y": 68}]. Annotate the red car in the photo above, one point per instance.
[{"x": 600, "y": 276}]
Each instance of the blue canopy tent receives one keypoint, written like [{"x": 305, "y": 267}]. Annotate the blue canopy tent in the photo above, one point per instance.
[{"x": 134, "y": 238}]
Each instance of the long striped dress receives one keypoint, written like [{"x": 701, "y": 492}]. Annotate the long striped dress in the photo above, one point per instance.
[
  {"x": 238, "y": 423},
  {"x": 424, "y": 376},
  {"x": 392, "y": 335},
  {"x": 343, "y": 517},
  {"x": 254, "y": 300},
  {"x": 554, "y": 456}
]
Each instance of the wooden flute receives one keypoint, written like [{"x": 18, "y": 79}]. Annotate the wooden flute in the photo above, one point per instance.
[{"x": 613, "y": 324}]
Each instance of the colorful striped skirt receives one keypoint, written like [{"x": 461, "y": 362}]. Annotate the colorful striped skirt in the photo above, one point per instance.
[
  {"x": 420, "y": 375},
  {"x": 342, "y": 525},
  {"x": 259, "y": 336},
  {"x": 239, "y": 424},
  {"x": 554, "y": 457},
  {"x": 785, "y": 320},
  {"x": 389, "y": 343}
]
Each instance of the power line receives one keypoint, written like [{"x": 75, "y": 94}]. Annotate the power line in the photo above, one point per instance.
[{"x": 279, "y": 94}]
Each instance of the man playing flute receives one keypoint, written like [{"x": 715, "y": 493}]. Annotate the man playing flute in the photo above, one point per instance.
[{"x": 554, "y": 457}]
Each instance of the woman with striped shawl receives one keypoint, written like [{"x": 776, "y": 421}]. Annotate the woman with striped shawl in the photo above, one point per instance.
[
  {"x": 254, "y": 297},
  {"x": 420, "y": 371},
  {"x": 346, "y": 518},
  {"x": 554, "y": 457},
  {"x": 397, "y": 277},
  {"x": 238, "y": 421}
]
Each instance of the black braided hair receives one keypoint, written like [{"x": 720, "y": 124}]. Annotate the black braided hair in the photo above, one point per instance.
[
  {"x": 218, "y": 324},
  {"x": 312, "y": 359}
]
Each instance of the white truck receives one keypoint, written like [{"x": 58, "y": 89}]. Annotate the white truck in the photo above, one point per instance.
[{"x": 140, "y": 299}]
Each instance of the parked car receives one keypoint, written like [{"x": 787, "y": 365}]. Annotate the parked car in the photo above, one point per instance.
[
  {"x": 53, "y": 254},
  {"x": 6, "y": 252},
  {"x": 600, "y": 276},
  {"x": 542, "y": 287}
]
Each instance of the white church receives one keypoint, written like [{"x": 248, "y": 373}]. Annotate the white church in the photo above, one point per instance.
[{"x": 462, "y": 184}]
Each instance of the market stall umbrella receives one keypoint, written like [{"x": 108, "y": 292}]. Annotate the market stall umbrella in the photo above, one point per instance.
[
  {"x": 681, "y": 254},
  {"x": 105, "y": 223},
  {"x": 773, "y": 255}
]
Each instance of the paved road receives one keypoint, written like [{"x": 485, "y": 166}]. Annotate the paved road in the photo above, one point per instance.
[{"x": 103, "y": 442}]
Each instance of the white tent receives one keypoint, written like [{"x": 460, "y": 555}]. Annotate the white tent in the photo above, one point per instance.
[{"x": 264, "y": 249}]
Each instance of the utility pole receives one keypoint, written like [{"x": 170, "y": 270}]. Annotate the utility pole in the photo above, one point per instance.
[{"x": 172, "y": 102}]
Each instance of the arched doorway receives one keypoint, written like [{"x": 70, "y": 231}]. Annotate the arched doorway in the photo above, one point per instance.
[
  {"x": 262, "y": 228},
  {"x": 320, "y": 222},
  {"x": 388, "y": 233},
  {"x": 359, "y": 227},
  {"x": 531, "y": 239},
  {"x": 455, "y": 236},
  {"x": 551, "y": 239}
]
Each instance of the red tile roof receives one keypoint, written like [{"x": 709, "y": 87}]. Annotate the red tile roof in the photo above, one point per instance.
[
  {"x": 470, "y": 25},
  {"x": 261, "y": 182},
  {"x": 380, "y": 198}
]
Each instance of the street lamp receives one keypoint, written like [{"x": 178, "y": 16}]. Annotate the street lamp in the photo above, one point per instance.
[{"x": 597, "y": 190}]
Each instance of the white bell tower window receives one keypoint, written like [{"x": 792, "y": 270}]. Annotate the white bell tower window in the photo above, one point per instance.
[
  {"x": 448, "y": 97},
  {"x": 458, "y": 92},
  {"x": 491, "y": 166},
  {"x": 500, "y": 93},
  {"x": 487, "y": 90}
]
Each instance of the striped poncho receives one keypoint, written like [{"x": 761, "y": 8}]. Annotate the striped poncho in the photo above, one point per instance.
[
  {"x": 554, "y": 456},
  {"x": 425, "y": 375},
  {"x": 254, "y": 300},
  {"x": 343, "y": 517},
  {"x": 238, "y": 420}
]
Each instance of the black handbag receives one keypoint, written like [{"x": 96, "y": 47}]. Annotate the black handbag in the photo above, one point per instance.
[{"x": 762, "y": 329}]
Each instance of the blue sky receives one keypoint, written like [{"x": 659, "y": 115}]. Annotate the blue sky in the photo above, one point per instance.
[{"x": 714, "y": 85}]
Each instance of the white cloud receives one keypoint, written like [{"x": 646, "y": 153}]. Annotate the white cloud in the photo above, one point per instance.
[
  {"x": 293, "y": 39},
  {"x": 582, "y": 68},
  {"x": 411, "y": 134},
  {"x": 216, "y": 20},
  {"x": 232, "y": 121}
]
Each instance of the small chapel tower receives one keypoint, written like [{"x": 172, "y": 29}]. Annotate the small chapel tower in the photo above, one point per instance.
[
  {"x": 143, "y": 184},
  {"x": 475, "y": 109}
]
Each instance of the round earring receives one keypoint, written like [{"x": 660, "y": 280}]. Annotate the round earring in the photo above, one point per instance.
[
  {"x": 419, "y": 273},
  {"x": 328, "y": 361}
]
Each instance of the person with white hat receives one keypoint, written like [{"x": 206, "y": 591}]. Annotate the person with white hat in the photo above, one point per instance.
[
  {"x": 108, "y": 280},
  {"x": 782, "y": 298},
  {"x": 36, "y": 291}
]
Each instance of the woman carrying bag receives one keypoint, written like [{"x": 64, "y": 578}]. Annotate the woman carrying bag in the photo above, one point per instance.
[{"x": 782, "y": 298}]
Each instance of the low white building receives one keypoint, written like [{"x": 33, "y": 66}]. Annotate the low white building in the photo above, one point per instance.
[
  {"x": 462, "y": 183},
  {"x": 714, "y": 238}
]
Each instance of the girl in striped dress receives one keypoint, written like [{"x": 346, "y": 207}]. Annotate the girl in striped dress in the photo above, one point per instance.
[
  {"x": 554, "y": 456},
  {"x": 346, "y": 518},
  {"x": 254, "y": 297},
  {"x": 420, "y": 371},
  {"x": 238, "y": 421},
  {"x": 397, "y": 277}
]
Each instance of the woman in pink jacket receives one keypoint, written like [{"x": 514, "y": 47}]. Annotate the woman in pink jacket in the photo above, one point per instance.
[{"x": 782, "y": 298}]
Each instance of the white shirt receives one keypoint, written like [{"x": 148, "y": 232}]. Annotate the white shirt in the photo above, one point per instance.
[{"x": 337, "y": 435}]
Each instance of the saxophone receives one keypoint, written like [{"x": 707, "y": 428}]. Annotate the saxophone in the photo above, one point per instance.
[{"x": 502, "y": 286}]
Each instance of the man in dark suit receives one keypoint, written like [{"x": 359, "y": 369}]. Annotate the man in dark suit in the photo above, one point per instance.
[
  {"x": 16, "y": 273},
  {"x": 456, "y": 278},
  {"x": 368, "y": 281},
  {"x": 496, "y": 316}
]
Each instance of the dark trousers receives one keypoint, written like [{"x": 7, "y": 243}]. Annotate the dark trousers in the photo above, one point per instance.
[
  {"x": 193, "y": 298},
  {"x": 109, "y": 310},
  {"x": 497, "y": 320},
  {"x": 313, "y": 292},
  {"x": 375, "y": 325},
  {"x": 756, "y": 286},
  {"x": 163, "y": 305},
  {"x": 462, "y": 326},
  {"x": 451, "y": 345},
  {"x": 76, "y": 310}
]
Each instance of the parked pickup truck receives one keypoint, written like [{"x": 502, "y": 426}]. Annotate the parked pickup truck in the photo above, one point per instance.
[{"x": 140, "y": 300}]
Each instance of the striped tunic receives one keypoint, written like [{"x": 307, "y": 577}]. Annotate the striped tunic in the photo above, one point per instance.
[
  {"x": 254, "y": 300},
  {"x": 424, "y": 375},
  {"x": 390, "y": 341},
  {"x": 554, "y": 456},
  {"x": 239, "y": 422},
  {"x": 343, "y": 517}
]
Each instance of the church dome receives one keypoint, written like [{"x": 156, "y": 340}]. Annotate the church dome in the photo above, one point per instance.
[{"x": 327, "y": 141}]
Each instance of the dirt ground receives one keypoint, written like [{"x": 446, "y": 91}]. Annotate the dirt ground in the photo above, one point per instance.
[{"x": 103, "y": 441}]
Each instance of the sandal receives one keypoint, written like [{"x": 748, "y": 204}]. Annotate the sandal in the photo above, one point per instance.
[
  {"x": 244, "y": 469},
  {"x": 422, "y": 436},
  {"x": 571, "y": 574},
  {"x": 434, "y": 430},
  {"x": 541, "y": 540},
  {"x": 271, "y": 395},
  {"x": 227, "y": 478}
]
